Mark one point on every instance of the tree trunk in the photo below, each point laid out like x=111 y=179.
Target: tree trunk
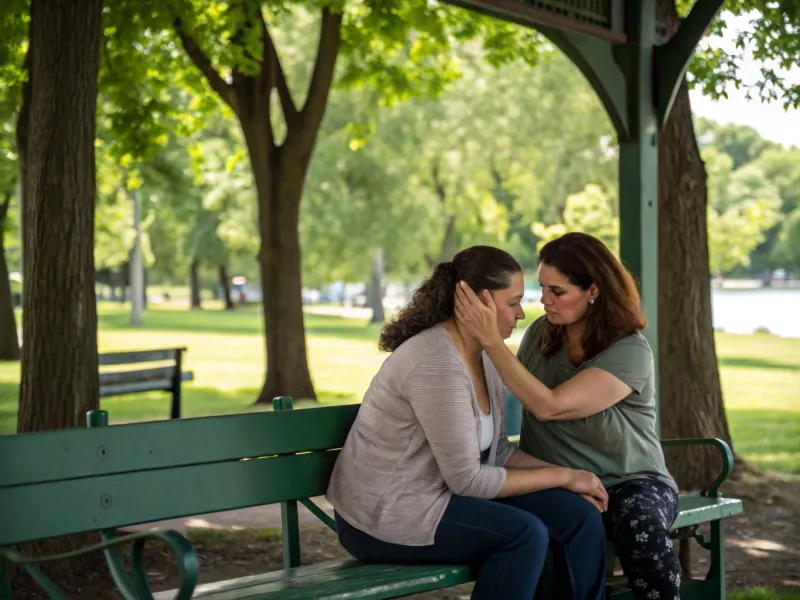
x=225 y=284
x=376 y=288
x=194 y=285
x=59 y=382
x=114 y=279
x=279 y=192
x=59 y=353
x=144 y=288
x=447 y=246
x=9 y=342
x=691 y=396
x=279 y=172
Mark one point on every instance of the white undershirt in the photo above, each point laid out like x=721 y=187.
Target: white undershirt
x=487 y=429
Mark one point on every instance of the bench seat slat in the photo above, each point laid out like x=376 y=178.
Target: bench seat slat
x=92 y=503
x=73 y=453
x=137 y=356
x=335 y=579
x=251 y=580
x=697 y=509
x=144 y=380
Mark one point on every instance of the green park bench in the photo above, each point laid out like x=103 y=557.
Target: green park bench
x=165 y=378
x=105 y=478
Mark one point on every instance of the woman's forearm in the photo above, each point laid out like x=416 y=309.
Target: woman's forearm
x=534 y=395
x=525 y=481
x=522 y=460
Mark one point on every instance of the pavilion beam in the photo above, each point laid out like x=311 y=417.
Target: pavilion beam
x=638 y=164
x=672 y=58
x=598 y=61
x=527 y=15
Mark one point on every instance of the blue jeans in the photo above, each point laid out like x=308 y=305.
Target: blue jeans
x=507 y=541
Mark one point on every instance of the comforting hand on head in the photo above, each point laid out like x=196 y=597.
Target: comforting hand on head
x=477 y=316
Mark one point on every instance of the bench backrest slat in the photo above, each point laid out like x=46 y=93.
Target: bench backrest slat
x=118 y=389
x=136 y=376
x=137 y=356
x=53 y=509
x=73 y=453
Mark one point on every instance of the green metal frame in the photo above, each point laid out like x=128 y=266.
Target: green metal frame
x=132 y=585
x=637 y=78
x=290 y=524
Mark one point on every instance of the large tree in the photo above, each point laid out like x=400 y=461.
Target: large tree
x=691 y=395
x=59 y=352
x=399 y=49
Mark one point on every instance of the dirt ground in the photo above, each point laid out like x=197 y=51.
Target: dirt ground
x=762 y=547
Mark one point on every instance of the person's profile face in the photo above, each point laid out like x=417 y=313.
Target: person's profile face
x=508 y=303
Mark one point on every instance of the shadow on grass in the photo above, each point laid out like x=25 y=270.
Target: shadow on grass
x=756 y=363
x=242 y=322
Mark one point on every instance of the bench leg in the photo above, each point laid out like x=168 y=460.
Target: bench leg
x=175 y=410
x=290 y=534
x=716 y=571
x=5 y=581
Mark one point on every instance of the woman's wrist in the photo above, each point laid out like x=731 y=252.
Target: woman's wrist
x=494 y=344
x=563 y=476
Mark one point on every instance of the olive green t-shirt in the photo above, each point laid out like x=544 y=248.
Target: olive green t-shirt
x=617 y=444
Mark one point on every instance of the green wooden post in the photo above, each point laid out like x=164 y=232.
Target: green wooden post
x=290 y=526
x=638 y=166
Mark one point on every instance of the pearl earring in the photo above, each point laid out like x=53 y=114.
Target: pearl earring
x=591 y=301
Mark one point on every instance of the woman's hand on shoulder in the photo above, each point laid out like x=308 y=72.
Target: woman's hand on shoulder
x=588 y=484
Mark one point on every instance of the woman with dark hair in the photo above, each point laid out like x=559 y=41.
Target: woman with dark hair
x=427 y=474
x=584 y=374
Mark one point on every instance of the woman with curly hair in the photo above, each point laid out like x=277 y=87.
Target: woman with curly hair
x=584 y=373
x=427 y=474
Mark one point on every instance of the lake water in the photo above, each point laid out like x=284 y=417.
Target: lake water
x=744 y=311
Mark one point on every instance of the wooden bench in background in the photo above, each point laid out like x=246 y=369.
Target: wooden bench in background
x=107 y=478
x=165 y=378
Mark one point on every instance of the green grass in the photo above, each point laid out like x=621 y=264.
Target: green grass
x=763 y=594
x=761 y=384
x=760 y=373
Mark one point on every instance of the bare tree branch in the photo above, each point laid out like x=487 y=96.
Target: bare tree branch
x=330 y=34
x=271 y=63
x=203 y=63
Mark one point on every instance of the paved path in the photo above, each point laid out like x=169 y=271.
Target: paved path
x=261 y=517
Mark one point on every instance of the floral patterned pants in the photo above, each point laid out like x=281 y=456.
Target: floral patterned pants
x=640 y=513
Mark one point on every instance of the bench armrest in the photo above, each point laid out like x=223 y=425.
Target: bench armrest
x=133 y=587
x=725 y=453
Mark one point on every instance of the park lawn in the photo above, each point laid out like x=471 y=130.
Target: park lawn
x=760 y=373
x=763 y=594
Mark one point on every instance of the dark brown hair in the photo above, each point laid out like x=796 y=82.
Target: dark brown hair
x=585 y=260
x=433 y=302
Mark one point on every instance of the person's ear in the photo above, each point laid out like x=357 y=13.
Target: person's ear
x=594 y=293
